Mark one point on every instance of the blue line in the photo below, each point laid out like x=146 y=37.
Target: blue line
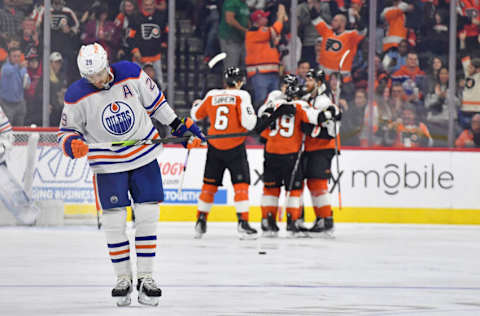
x=120 y=244
x=121 y=259
x=125 y=161
x=155 y=101
x=152 y=237
x=348 y=287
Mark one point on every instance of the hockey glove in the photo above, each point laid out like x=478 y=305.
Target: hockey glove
x=307 y=128
x=284 y=109
x=187 y=127
x=79 y=148
x=331 y=113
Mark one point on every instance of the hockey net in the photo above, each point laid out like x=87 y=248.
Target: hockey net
x=22 y=164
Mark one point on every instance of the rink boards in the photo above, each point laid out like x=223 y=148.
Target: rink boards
x=393 y=186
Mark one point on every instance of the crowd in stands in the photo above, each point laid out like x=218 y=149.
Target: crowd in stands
x=411 y=107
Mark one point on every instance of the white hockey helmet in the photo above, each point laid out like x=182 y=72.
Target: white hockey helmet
x=92 y=59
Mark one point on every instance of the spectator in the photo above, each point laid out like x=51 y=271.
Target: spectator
x=150 y=71
x=102 y=31
x=160 y=5
x=33 y=95
x=471 y=91
x=411 y=70
x=262 y=59
x=148 y=37
x=384 y=126
x=307 y=32
x=398 y=99
x=435 y=35
x=411 y=132
x=10 y=19
x=468 y=22
x=123 y=21
x=335 y=42
x=208 y=23
x=64 y=29
x=13 y=80
x=396 y=58
x=394 y=16
x=432 y=74
x=231 y=32
x=302 y=68
x=470 y=137
x=438 y=109
x=58 y=85
x=354 y=121
x=30 y=35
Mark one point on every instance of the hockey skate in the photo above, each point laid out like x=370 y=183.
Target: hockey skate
x=323 y=228
x=200 y=226
x=245 y=231
x=148 y=291
x=269 y=227
x=121 y=291
x=296 y=229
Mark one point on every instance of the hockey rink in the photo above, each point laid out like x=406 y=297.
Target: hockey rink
x=369 y=269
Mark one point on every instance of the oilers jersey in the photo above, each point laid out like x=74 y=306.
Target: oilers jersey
x=122 y=112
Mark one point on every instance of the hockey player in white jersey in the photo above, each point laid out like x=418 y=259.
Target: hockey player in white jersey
x=116 y=103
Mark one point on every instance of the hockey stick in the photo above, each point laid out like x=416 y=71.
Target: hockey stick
x=182 y=177
x=166 y=140
x=292 y=176
x=337 y=100
x=216 y=59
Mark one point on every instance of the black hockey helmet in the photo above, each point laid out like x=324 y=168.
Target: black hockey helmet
x=290 y=79
x=233 y=75
x=293 y=91
x=318 y=74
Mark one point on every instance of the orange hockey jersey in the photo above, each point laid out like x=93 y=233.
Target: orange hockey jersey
x=286 y=138
x=229 y=111
x=395 y=20
x=261 y=54
x=335 y=45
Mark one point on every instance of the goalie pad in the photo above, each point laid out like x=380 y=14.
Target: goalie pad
x=15 y=200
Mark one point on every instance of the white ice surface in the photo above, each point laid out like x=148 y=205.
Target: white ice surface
x=367 y=270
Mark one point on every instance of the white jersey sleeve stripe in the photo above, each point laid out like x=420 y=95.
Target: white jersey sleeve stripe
x=155 y=101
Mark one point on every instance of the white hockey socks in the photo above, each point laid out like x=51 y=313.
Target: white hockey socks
x=146 y=219
x=114 y=225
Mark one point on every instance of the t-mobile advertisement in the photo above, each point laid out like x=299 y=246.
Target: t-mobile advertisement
x=369 y=178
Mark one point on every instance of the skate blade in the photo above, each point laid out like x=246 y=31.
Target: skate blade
x=323 y=235
x=147 y=300
x=123 y=301
x=198 y=235
x=243 y=236
x=298 y=235
x=269 y=234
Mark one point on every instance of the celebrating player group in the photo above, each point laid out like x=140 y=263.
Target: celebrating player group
x=115 y=103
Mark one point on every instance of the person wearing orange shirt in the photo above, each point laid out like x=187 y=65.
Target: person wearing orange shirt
x=394 y=16
x=411 y=132
x=336 y=40
x=262 y=57
x=470 y=137
x=412 y=71
x=230 y=110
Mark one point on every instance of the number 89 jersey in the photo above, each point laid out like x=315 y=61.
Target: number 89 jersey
x=286 y=137
x=229 y=111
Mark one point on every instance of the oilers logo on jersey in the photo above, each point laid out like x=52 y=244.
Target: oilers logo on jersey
x=118 y=118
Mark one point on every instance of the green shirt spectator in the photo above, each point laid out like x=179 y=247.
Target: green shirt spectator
x=234 y=30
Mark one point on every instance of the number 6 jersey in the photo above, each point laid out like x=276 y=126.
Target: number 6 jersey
x=229 y=111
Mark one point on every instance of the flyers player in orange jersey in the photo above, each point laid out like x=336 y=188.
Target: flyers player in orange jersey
x=283 y=142
x=230 y=110
x=319 y=151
